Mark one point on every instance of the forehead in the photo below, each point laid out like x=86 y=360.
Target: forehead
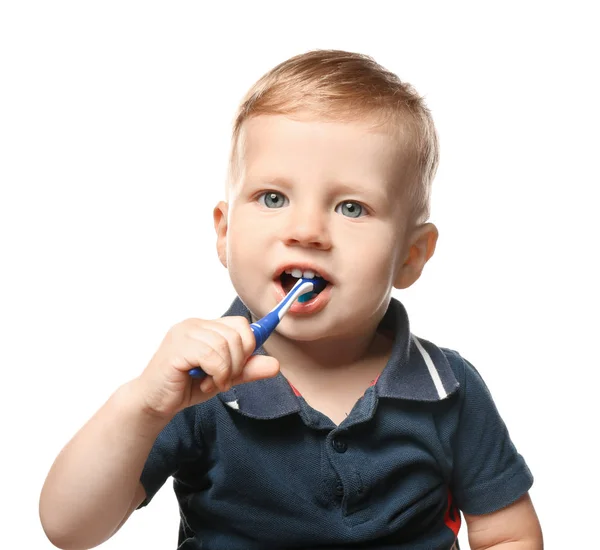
x=279 y=146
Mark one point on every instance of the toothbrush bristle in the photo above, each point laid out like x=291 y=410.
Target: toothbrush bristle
x=306 y=297
x=318 y=285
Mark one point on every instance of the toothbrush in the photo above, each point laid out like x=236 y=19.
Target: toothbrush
x=262 y=329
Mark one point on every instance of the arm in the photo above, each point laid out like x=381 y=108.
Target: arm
x=93 y=485
x=490 y=479
x=515 y=527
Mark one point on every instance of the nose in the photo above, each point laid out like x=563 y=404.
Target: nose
x=308 y=226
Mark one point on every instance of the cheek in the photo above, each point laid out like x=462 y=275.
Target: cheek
x=374 y=253
x=239 y=254
x=243 y=249
x=240 y=264
x=250 y=234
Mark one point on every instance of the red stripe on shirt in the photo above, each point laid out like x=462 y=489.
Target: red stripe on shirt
x=452 y=516
x=296 y=392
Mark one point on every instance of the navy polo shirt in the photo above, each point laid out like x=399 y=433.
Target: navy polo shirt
x=257 y=468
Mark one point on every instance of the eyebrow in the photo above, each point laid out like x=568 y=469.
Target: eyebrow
x=377 y=194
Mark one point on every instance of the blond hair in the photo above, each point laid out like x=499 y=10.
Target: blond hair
x=337 y=85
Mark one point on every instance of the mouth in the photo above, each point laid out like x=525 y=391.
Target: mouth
x=310 y=302
x=289 y=277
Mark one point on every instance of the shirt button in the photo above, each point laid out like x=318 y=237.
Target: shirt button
x=339 y=445
x=339 y=490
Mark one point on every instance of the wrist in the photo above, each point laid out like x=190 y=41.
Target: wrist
x=145 y=420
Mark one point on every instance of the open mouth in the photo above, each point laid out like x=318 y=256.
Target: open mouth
x=288 y=280
x=290 y=277
x=308 y=303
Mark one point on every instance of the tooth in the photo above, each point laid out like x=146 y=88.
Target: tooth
x=308 y=274
x=297 y=273
x=288 y=271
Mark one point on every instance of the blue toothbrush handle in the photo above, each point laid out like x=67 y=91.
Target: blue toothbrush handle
x=197 y=372
x=262 y=329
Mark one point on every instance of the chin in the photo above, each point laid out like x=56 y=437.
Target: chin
x=306 y=329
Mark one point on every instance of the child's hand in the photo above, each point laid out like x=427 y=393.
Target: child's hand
x=222 y=348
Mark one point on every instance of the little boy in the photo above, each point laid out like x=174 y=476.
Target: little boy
x=344 y=430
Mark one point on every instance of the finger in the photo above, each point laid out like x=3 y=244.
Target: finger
x=203 y=390
x=242 y=326
x=236 y=346
x=257 y=368
x=207 y=385
x=210 y=351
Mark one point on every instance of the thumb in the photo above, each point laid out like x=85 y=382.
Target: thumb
x=257 y=368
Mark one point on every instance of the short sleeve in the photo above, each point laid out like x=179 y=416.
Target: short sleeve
x=489 y=473
x=176 y=444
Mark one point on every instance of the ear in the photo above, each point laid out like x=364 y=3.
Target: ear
x=421 y=248
x=220 y=221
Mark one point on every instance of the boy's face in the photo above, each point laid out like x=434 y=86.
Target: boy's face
x=326 y=195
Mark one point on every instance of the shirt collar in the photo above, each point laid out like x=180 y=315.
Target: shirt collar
x=416 y=371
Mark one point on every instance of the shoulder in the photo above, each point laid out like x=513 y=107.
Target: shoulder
x=460 y=366
x=468 y=377
x=471 y=399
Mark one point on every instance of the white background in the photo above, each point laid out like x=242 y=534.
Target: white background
x=114 y=132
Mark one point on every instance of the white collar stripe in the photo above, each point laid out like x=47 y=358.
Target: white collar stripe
x=437 y=381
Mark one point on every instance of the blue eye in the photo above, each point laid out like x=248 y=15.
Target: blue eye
x=351 y=209
x=272 y=199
